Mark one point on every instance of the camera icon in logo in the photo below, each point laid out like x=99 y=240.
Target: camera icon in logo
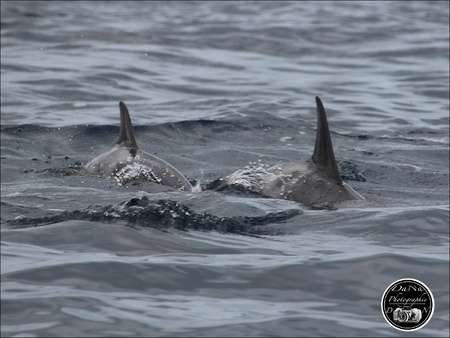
x=407 y=315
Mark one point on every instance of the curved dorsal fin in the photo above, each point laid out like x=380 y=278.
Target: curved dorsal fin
x=126 y=135
x=323 y=155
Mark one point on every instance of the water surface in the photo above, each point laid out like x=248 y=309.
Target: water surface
x=213 y=87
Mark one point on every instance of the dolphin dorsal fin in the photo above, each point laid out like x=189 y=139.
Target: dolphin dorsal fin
x=126 y=135
x=323 y=155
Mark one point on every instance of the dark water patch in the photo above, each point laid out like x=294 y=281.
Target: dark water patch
x=14 y=67
x=162 y=214
x=436 y=93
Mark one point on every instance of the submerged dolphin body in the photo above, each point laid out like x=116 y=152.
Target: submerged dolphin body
x=126 y=160
x=314 y=183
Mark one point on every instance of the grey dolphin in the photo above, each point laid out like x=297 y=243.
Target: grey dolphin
x=314 y=183
x=126 y=160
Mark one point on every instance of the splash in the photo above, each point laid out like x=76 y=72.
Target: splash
x=135 y=171
x=254 y=174
x=198 y=186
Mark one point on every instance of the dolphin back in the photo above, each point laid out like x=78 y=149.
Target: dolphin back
x=313 y=183
x=126 y=161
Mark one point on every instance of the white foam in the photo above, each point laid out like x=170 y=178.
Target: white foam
x=134 y=171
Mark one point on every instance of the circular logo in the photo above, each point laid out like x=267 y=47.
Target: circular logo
x=407 y=304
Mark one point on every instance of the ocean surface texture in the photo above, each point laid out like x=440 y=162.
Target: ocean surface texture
x=213 y=87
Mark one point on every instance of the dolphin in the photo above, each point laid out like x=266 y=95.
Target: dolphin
x=126 y=160
x=314 y=183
